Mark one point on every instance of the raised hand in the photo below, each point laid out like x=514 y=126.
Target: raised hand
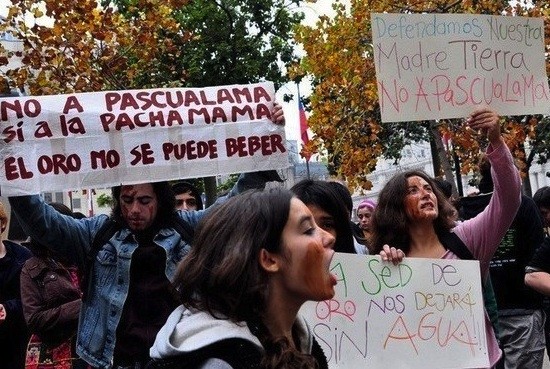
x=486 y=121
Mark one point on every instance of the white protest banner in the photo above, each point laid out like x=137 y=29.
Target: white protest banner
x=437 y=66
x=101 y=139
x=422 y=313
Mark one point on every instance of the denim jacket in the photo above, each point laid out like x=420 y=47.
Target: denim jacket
x=102 y=309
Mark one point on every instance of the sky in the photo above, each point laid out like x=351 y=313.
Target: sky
x=312 y=12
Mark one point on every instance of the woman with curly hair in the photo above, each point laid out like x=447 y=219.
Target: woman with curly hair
x=414 y=219
x=255 y=260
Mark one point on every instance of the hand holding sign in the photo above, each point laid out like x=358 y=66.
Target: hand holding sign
x=488 y=122
x=392 y=254
x=277 y=115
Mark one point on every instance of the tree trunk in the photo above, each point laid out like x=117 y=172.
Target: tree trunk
x=527 y=190
x=440 y=158
x=458 y=175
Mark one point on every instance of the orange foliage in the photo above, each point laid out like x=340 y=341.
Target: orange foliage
x=77 y=46
x=344 y=102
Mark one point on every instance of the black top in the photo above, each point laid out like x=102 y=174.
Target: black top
x=541 y=259
x=517 y=247
x=13 y=331
x=151 y=298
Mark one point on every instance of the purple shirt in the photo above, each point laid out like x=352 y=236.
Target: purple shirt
x=483 y=233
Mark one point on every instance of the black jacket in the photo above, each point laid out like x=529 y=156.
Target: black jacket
x=507 y=268
x=13 y=331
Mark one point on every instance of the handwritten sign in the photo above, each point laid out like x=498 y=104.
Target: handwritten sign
x=436 y=66
x=107 y=138
x=423 y=313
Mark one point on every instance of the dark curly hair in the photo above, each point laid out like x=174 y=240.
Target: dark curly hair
x=389 y=221
x=222 y=273
x=186 y=187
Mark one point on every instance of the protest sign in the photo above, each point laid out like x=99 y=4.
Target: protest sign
x=102 y=139
x=422 y=313
x=436 y=66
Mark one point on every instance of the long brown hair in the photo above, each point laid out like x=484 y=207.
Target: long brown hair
x=389 y=221
x=222 y=274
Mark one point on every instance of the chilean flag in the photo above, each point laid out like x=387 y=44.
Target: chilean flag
x=303 y=126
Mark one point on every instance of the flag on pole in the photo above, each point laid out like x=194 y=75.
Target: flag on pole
x=303 y=126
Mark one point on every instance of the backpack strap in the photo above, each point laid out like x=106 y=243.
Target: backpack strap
x=453 y=243
x=319 y=355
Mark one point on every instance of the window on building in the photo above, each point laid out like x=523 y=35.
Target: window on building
x=77 y=204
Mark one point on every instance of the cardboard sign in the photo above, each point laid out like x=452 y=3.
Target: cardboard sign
x=436 y=66
x=102 y=139
x=422 y=313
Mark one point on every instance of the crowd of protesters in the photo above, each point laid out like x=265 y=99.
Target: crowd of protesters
x=164 y=283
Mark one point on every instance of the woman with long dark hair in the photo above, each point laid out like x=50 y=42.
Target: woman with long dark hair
x=255 y=260
x=414 y=219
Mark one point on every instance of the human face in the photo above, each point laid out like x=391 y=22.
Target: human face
x=364 y=214
x=545 y=212
x=323 y=219
x=307 y=252
x=139 y=206
x=420 y=201
x=186 y=202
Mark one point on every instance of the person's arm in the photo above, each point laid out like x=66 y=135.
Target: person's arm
x=12 y=309
x=531 y=227
x=2 y=314
x=539 y=281
x=53 y=324
x=66 y=235
x=482 y=234
x=537 y=271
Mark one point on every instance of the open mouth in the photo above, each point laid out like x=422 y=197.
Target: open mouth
x=333 y=277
